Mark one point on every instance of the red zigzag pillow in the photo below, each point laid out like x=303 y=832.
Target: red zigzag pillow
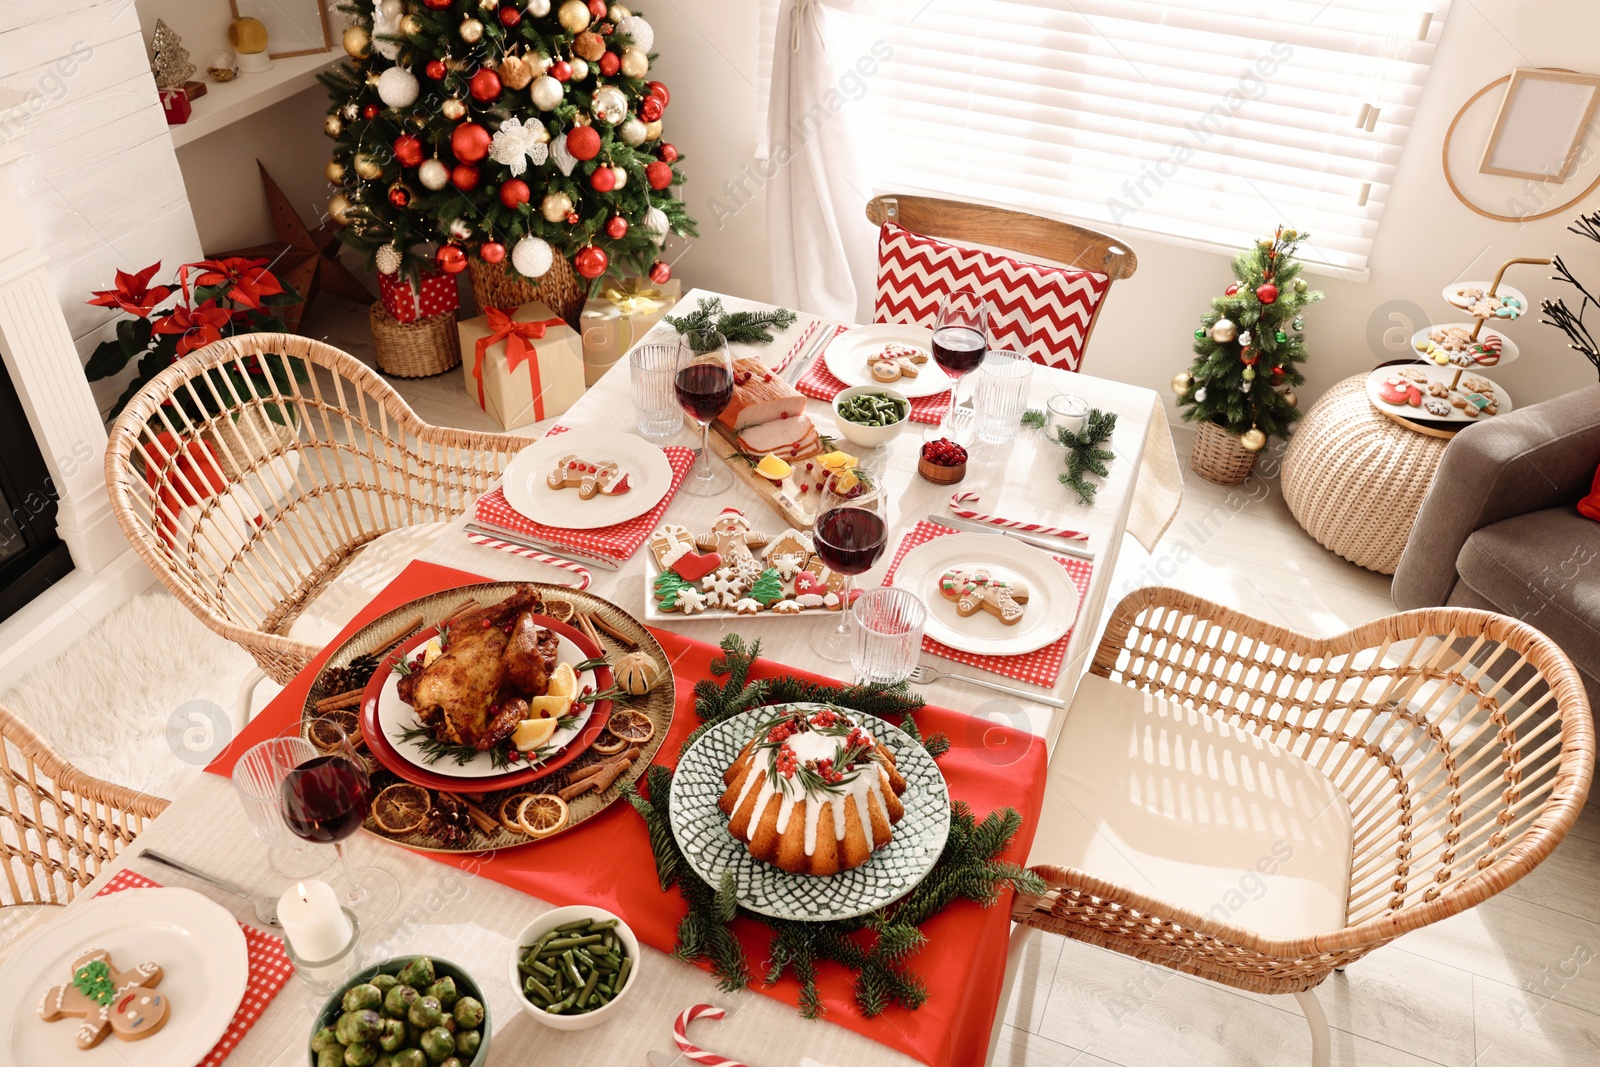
x=1053 y=304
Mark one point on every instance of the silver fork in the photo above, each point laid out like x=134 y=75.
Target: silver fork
x=923 y=674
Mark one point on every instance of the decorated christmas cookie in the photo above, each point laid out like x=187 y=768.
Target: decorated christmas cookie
x=732 y=536
x=1397 y=390
x=1436 y=406
x=108 y=1001
x=668 y=542
x=978 y=590
x=724 y=588
x=590 y=478
x=896 y=361
x=788 y=553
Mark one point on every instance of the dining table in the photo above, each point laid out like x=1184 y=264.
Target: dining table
x=469 y=908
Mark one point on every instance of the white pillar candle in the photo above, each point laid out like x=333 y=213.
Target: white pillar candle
x=313 y=921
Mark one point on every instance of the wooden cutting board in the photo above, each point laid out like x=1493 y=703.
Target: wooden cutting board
x=786 y=500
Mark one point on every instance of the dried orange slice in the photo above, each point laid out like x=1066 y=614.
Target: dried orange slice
x=327 y=733
x=632 y=725
x=608 y=744
x=508 y=811
x=401 y=808
x=542 y=815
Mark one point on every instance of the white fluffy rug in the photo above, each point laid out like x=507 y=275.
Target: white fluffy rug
x=144 y=699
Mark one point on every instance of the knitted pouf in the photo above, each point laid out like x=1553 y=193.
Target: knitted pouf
x=1355 y=479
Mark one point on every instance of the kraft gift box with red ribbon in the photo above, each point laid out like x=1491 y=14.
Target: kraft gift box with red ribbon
x=617 y=318
x=522 y=365
x=435 y=294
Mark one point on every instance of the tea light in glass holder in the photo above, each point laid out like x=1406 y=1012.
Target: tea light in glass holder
x=1064 y=410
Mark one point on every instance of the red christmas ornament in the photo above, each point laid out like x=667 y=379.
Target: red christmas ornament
x=514 y=193
x=464 y=176
x=509 y=17
x=438 y=5
x=485 y=85
x=1248 y=358
x=650 y=108
x=610 y=63
x=399 y=195
x=590 y=261
x=597 y=8
x=659 y=175
x=661 y=272
x=561 y=70
x=469 y=141
x=616 y=227
x=668 y=152
x=1267 y=292
x=1230 y=290
x=659 y=91
x=492 y=252
x=604 y=179
x=1277 y=372
x=583 y=142
x=408 y=150
x=435 y=69
x=371 y=111
x=451 y=259
x=572 y=218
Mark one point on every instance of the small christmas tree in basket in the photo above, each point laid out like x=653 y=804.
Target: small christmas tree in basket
x=1248 y=349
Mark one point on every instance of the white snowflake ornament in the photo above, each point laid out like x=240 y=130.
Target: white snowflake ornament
x=644 y=36
x=514 y=144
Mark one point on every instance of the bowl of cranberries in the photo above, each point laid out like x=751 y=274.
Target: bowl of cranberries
x=942 y=461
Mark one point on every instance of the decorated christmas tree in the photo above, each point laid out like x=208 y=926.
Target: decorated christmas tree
x=1249 y=347
x=510 y=132
x=170 y=64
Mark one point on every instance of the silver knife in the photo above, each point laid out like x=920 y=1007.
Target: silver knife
x=1048 y=544
x=576 y=555
x=825 y=333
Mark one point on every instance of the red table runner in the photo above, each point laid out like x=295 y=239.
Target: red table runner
x=988 y=766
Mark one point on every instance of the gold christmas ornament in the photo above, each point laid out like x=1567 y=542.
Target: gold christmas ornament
x=1289 y=397
x=333 y=125
x=367 y=167
x=410 y=25
x=471 y=31
x=1252 y=440
x=357 y=43
x=1223 y=330
x=334 y=171
x=618 y=13
x=635 y=64
x=573 y=16
x=453 y=109
x=555 y=206
x=652 y=130
x=580 y=69
x=372 y=79
x=339 y=208
x=488 y=5
x=1181 y=382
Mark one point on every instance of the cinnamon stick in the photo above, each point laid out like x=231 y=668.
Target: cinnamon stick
x=571 y=792
x=466 y=605
x=586 y=772
x=584 y=624
x=350 y=698
x=621 y=638
x=605 y=779
x=404 y=629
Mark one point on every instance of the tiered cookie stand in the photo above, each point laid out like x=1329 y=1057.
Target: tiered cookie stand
x=1354 y=479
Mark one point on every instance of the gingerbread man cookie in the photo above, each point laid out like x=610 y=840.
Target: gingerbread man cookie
x=590 y=478
x=732 y=537
x=108 y=1001
x=978 y=590
x=896 y=361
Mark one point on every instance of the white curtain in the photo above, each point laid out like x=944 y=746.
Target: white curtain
x=823 y=251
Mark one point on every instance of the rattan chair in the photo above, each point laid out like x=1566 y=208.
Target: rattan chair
x=58 y=826
x=1461 y=742
x=344 y=462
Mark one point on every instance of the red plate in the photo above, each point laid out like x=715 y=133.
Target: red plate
x=385 y=752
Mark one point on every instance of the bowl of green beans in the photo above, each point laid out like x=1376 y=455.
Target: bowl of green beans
x=573 y=966
x=870 y=415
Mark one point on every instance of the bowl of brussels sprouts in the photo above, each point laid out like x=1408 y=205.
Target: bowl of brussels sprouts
x=870 y=415
x=410 y=1011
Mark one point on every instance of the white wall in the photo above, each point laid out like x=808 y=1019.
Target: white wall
x=1426 y=239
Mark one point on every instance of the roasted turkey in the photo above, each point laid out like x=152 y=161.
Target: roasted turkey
x=475 y=692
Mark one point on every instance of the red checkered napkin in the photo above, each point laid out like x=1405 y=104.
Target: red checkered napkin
x=1040 y=666
x=269 y=969
x=618 y=542
x=819 y=383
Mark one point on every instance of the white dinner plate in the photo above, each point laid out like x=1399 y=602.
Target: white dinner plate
x=1452 y=293
x=198 y=945
x=1052 y=598
x=649 y=474
x=847 y=357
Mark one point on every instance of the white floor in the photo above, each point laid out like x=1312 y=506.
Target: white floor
x=1512 y=982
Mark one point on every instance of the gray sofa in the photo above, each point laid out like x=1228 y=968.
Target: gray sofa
x=1498 y=529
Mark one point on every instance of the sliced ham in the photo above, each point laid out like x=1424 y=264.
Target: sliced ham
x=786 y=438
x=759 y=396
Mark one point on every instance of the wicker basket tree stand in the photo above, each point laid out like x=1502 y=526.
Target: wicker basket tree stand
x=1219 y=457
x=496 y=285
x=418 y=349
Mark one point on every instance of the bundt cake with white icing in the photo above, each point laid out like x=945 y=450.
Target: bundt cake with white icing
x=813 y=793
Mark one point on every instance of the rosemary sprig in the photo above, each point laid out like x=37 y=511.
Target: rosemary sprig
x=434 y=750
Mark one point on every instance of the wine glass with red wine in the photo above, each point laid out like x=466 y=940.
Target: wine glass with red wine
x=960 y=341
x=849 y=535
x=704 y=384
x=324 y=799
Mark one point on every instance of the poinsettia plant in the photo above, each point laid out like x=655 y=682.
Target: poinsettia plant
x=210 y=300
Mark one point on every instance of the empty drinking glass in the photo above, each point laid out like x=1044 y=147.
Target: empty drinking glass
x=888 y=634
x=653 y=367
x=257 y=778
x=1001 y=395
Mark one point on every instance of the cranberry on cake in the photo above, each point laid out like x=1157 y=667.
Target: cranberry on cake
x=813 y=793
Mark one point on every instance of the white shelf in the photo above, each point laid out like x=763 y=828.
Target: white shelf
x=227 y=102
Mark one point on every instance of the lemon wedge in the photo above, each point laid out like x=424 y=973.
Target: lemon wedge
x=563 y=682
x=837 y=460
x=531 y=733
x=845 y=480
x=548 y=707
x=431 y=651
x=773 y=468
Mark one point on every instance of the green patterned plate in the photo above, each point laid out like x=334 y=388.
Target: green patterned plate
x=891 y=873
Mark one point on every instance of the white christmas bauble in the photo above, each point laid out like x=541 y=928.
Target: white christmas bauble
x=433 y=175
x=609 y=104
x=632 y=132
x=1200 y=394
x=621 y=176
x=580 y=69
x=532 y=256
x=1247 y=338
x=546 y=93
x=1223 y=330
x=1244 y=387
x=538 y=8
x=656 y=221
x=644 y=38
x=387 y=259
x=564 y=159
x=397 y=87
x=392 y=9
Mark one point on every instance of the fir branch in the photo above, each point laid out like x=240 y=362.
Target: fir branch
x=736 y=327
x=1085 y=457
x=1033 y=417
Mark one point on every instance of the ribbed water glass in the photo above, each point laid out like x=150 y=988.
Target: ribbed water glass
x=257 y=778
x=888 y=634
x=1001 y=395
x=655 y=401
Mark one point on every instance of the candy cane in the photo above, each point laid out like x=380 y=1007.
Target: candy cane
x=957 y=499
x=696 y=1054
x=538 y=557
